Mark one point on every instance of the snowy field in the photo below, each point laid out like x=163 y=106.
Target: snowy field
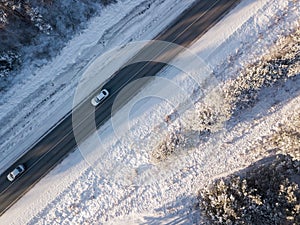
x=47 y=94
x=132 y=187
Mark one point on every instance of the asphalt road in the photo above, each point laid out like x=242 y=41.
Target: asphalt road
x=60 y=141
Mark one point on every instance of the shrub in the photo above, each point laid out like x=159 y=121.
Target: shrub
x=267 y=193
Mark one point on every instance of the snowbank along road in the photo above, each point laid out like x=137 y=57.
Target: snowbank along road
x=60 y=141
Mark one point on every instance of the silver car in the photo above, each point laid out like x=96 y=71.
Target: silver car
x=100 y=97
x=16 y=172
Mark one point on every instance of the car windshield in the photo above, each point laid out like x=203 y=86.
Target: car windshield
x=100 y=97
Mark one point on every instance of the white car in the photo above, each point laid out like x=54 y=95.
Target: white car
x=16 y=172
x=100 y=97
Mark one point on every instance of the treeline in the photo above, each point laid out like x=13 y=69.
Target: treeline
x=38 y=29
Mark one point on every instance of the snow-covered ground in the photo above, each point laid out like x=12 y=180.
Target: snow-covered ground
x=152 y=192
x=47 y=94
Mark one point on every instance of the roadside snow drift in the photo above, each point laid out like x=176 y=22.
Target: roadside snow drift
x=155 y=168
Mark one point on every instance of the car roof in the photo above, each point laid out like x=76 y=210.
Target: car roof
x=15 y=172
x=100 y=95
